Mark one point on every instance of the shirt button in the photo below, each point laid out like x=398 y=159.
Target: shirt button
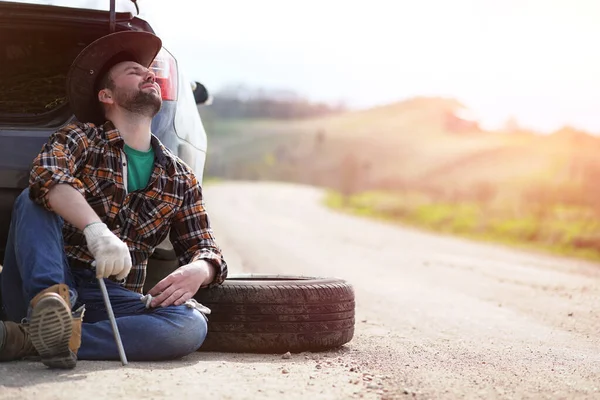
x=124 y=164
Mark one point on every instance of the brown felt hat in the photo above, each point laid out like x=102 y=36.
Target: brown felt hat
x=96 y=59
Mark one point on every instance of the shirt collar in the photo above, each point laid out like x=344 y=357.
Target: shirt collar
x=159 y=150
x=114 y=138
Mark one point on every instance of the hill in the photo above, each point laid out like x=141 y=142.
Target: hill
x=428 y=151
x=408 y=144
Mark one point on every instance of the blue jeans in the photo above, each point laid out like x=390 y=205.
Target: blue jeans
x=35 y=260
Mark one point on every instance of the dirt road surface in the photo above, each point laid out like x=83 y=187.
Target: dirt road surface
x=437 y=317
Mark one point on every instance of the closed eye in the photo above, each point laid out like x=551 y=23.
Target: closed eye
x=133 y=70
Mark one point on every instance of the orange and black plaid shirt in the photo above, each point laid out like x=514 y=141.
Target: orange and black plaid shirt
x=91 y=159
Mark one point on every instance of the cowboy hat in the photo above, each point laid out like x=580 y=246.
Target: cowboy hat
x=96 y=59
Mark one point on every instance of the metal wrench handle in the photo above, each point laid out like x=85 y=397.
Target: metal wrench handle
x=113 y=322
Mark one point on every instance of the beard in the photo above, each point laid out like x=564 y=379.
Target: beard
x=138 y=102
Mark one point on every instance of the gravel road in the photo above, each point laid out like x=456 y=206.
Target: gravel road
x=437 y=317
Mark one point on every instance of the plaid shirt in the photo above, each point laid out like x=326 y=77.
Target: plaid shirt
x=91 y=159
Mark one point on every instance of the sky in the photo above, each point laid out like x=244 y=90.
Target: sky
x=535 y=60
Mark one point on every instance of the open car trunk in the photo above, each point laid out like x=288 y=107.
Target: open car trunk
x=38 y=43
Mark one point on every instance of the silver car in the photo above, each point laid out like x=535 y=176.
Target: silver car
x=38 y=42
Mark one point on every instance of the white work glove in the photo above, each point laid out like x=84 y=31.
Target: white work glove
x=111 y=253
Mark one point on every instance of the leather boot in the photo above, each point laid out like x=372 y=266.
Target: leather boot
x=55 y=332
x=15 y=342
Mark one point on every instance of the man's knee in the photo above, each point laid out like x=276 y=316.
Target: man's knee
x=23 y=199
x=190 y=332
x=196 y=330
x=25 y=207
x=23 y=203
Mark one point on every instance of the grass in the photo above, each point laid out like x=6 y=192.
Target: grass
x=566 y=231
x=211 y=180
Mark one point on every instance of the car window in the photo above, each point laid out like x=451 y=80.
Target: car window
x=102 y=5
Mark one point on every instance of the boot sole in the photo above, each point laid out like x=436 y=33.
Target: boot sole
x=50 y=331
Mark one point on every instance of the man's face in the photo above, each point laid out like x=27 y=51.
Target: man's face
x=134 y=88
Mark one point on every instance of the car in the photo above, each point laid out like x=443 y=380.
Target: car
x=38 y=42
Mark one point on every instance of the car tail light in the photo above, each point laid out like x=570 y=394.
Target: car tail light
x=164 y=67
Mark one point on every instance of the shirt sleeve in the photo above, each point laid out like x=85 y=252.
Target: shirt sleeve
x=57 y=163
x=193 y=238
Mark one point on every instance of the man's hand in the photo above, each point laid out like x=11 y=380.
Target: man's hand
x=182 y=284
x=111 y=253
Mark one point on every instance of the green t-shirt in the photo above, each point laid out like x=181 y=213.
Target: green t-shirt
x=139 y=168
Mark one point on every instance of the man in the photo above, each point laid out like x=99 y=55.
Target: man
x=102 y=195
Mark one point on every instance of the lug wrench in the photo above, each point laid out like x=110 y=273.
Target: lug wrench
x=113 y=322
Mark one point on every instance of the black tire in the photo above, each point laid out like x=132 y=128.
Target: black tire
x=276 y=314
x=2 y=313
